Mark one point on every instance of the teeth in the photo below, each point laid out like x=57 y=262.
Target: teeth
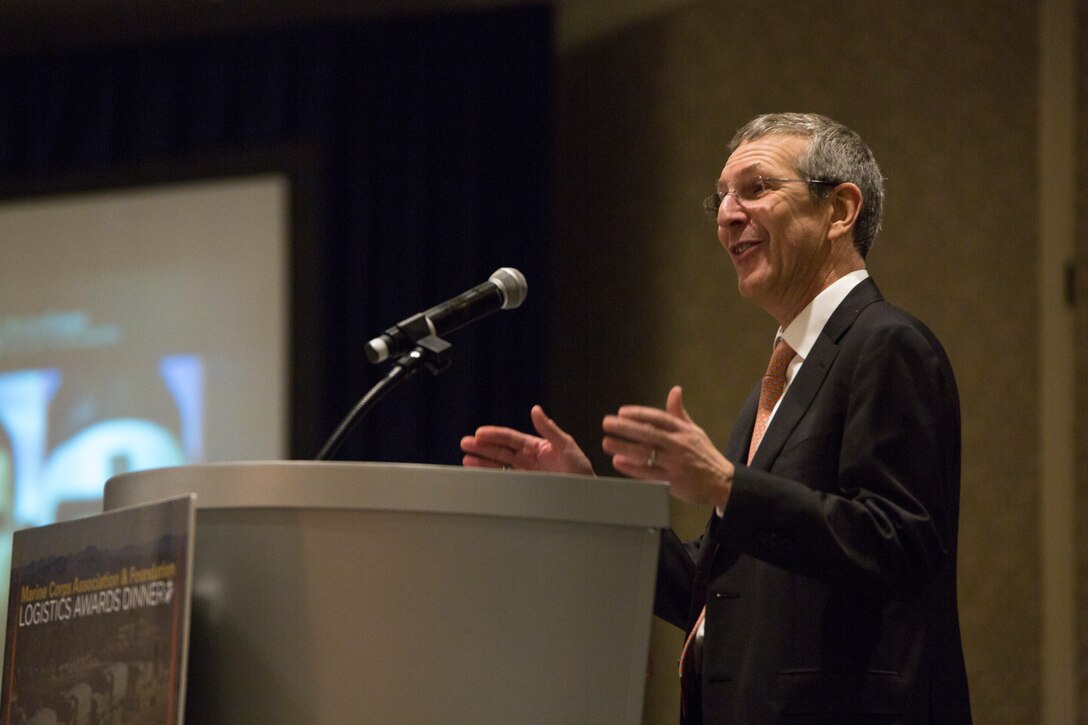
x=742 y=248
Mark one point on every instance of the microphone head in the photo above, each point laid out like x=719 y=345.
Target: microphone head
x=512 y=284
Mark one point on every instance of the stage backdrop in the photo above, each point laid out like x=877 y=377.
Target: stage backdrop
x=416 y=154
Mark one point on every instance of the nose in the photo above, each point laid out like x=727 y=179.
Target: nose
x=731 y=211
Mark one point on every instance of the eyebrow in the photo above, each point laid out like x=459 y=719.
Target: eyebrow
x=755 y=166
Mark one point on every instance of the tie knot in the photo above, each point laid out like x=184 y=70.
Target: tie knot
x=780 y=360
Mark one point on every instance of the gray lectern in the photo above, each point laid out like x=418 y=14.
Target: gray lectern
x=339 y=593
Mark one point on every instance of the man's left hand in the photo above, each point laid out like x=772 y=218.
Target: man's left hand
x=666 y=445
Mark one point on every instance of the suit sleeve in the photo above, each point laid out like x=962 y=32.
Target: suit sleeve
x=675 y=576
x=863 y=495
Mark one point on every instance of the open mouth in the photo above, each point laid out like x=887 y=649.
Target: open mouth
x=741 y=248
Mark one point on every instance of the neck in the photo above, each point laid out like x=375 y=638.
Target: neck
x=789 y=312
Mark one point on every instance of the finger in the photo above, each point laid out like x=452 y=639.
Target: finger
x=646 y=434
x=492 y=435
x=635 y=453
x=471 y=444
x=547 y=427
x=472 y=461
x=500 y=455
x=635 y=468
x=651 y=416
x=675 y=404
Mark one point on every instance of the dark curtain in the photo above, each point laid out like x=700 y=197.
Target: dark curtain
x=425 y=147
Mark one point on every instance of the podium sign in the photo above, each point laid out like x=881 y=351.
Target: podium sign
x=98 y=615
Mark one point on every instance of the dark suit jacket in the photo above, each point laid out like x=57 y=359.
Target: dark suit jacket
x=830 y=583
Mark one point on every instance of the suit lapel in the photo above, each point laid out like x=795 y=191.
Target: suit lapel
x=736 y=449
x=792 y=408
x=811 y=376
x=796 y=401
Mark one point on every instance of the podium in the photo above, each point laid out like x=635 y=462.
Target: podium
x=387 y=593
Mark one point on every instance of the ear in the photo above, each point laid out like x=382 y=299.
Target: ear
x=846 y=204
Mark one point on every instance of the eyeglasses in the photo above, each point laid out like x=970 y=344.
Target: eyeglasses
x=753 y=190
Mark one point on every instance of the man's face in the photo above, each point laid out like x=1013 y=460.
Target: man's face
x=777 y=237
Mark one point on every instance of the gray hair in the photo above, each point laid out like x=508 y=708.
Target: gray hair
x=834 y=153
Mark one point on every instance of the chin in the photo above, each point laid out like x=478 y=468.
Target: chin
x=748 y=290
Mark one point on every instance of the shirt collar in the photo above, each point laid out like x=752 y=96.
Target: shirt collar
x=801 y=334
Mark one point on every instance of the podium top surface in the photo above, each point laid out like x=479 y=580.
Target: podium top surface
x=399 y=487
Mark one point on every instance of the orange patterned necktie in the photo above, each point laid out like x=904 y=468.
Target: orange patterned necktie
x=774 y=383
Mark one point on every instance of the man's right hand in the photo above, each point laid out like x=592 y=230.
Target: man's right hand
x=553 y=451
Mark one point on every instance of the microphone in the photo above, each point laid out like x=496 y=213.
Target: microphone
x=505 y=289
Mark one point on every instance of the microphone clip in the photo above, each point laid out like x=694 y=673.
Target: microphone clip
x=430 y=350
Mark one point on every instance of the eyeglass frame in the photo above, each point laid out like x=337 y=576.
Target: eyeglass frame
x=713 y=202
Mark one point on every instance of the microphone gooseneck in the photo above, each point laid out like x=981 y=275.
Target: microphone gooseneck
x=417 y=342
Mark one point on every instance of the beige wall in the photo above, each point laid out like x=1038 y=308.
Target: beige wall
x=1081 y=590
x=946 y=94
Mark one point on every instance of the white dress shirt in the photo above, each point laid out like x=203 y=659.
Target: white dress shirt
x=801 y=334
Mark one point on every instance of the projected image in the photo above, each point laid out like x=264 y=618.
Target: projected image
x=140 y=327
x=64 y=437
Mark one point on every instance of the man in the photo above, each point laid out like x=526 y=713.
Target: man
x=823 y=589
